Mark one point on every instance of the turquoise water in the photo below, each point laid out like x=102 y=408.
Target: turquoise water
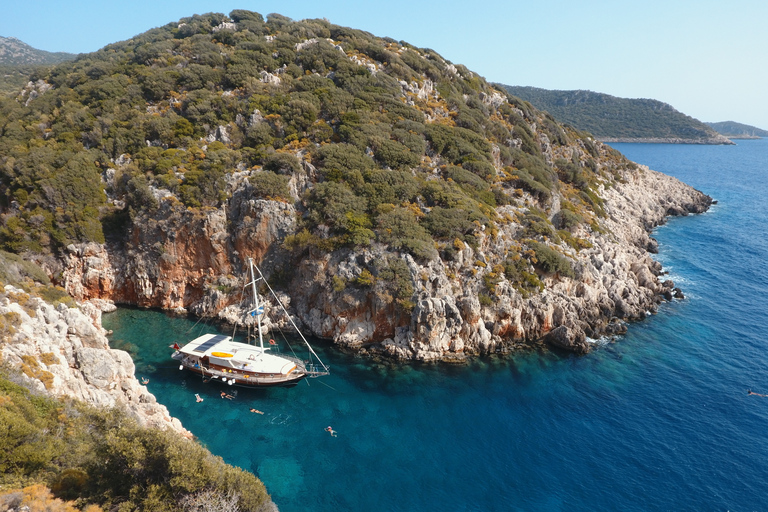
x=657 y=421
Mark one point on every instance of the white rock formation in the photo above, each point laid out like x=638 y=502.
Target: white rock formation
x=67 y=352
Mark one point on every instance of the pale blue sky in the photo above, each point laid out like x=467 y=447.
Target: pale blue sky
x=708 y=59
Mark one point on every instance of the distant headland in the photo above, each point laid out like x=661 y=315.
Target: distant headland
x=612 y=119
x=734 y=130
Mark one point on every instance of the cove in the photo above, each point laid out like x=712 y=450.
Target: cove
x=659 y=419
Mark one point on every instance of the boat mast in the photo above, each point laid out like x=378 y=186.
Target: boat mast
x=280 y=303
x=258 y=309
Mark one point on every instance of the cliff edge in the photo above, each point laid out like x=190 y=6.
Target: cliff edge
x=64 y=351
x=470 y=303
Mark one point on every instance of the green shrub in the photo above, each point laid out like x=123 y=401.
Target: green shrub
x=593 y=201
x=15 y=270
x=485 y=299
x=342 y=162
x=330 y=202
x=457 y=144
x=394 y=272
x=365 y=278
x=388 y=187
x=400 y=229
x=282 y=163
x=395 y=155
x=267 y=184
x=516 y=272
x=54 y=295
x=338 y=284
x=539 y=228
x=567 y=219
x=449 y=223
x=103 y=457
x=551 y=261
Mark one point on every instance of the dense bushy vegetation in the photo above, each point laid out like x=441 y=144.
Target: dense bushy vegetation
x=102 y=460
x=18 y=61
x=374 y=141
x=611 y=117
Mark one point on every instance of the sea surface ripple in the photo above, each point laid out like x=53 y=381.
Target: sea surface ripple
x=660 y=419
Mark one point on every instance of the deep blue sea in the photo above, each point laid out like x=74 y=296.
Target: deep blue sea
x=659 y=420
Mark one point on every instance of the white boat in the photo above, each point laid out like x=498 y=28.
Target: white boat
x=219 y=357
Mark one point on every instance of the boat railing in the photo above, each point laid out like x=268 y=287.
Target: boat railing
x=299 y=362
x=214 y=374
x=315 y=370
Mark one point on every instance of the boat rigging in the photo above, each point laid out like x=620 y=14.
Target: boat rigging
x=219 y=357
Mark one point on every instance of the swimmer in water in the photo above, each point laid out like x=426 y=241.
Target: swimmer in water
x=256 y=411
x=198 y=398
x=144 y=381
x=750 y=392
x=331 y=431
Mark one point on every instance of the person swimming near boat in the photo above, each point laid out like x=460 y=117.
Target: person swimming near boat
x=225 y=395
x=256 y=411
x=198 y=398
x=331 y=431
x=750 y=392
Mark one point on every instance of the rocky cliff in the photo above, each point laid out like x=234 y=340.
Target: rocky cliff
x=187 y=261
x=64 y=352
x=399 y=203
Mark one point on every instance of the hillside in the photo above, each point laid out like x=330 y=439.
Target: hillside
x=17 y=53
x=405 y=205
x=734 y=130
x=79 y=424
x=19 y=61
x=619 y=119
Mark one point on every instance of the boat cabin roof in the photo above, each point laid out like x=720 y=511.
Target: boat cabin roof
x=222 y=350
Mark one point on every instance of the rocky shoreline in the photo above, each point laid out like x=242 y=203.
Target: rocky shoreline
x=184 y=260
x=64 y=351
x=719 y=140
x=618 y=281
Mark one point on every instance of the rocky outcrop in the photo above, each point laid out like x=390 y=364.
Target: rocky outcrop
x=617 y=281
x=185 y=259
x=64 y=352
x=564 y=338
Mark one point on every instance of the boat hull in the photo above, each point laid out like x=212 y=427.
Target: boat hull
x=240 y=380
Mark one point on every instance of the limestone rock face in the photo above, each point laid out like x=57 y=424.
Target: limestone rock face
x=194 y=259
x=568 y=339
x=64 y=352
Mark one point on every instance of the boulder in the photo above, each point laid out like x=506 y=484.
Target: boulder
x=573 y=340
